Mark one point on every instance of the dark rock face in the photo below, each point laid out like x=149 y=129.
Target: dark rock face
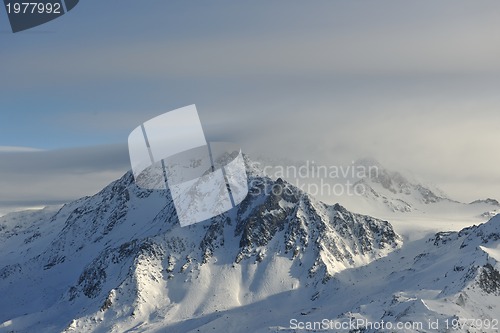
x=489 y=280
x=9 y=270
x=489 y=201
x=305 y=225
x=93 y=278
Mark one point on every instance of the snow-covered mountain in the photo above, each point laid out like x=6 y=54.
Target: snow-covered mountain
x=386 y=190
x=415 y=208
x=452 y=279
x=118 y=261
x=396 y=192
x=366 y=186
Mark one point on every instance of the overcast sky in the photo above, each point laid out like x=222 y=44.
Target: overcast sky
x=413 y=84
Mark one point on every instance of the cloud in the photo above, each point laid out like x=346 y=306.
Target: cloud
x=394 y=39
x=43 y=177
x=12 y=149
x=412 y=84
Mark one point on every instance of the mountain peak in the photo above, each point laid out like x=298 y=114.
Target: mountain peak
x=488 y=201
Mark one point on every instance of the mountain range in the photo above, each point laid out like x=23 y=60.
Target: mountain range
x=118 y=261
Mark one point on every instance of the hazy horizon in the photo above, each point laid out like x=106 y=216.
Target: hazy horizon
x=414 y=85
x=83 y=171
